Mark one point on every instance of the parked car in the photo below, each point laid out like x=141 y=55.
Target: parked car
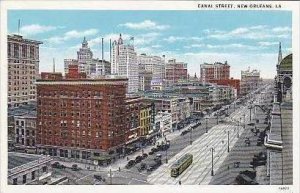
x=142 y=167
x=58 y=165
x=138 y=159
x=184 y=132
x=130 y=164
x=151 y=153
x=144 y=155
x=75 y=167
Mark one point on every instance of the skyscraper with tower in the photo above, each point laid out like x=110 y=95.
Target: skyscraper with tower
x=124 y=63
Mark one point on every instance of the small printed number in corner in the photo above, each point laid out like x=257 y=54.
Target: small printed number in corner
x=285 y=189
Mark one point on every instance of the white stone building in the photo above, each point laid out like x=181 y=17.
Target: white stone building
x=124 y=63
x=154 y=64
x=26 y=169
x=163 y=122
x=86 y=63
x=23 y=69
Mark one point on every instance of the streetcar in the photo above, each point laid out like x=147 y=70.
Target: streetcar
x=182 y=164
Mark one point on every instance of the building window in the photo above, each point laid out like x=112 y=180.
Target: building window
x=24 y=178
x=32 y=175
x=44 y=169
x=15 y=181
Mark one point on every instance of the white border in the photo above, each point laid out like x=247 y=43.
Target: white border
x=143 y=5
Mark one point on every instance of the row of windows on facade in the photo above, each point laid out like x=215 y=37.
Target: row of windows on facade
x=17 y=82
x=10 y=72
x=79 y=144
x=27 y=141
x=84 y=133
x=111 y=91
x=19 y=66
x=73 y=153
x=19 y=93
x=25 y=99
x=16 y=50
x=78 y=124
x=32 y=174
x=16 y=79
x=27 y=132
x=80 y=114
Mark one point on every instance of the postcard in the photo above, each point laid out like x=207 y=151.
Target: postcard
x=186 y=96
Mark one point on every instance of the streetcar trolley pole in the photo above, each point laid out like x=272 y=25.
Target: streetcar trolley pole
x=212 y=161
x=228 y=141
x=206 y=123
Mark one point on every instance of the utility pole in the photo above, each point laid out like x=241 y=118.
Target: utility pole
x=110 y=176
x=166 y=155
x=250 y=112
x=228 y=141
x=244 y=121
x=212 y=161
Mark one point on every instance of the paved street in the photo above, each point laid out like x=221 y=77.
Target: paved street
x=199 y=171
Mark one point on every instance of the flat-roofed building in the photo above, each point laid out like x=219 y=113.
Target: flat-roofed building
x=81 y=118
x=23 y=69
x=26 y=169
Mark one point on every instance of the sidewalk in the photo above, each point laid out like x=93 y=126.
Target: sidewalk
x=123 y=161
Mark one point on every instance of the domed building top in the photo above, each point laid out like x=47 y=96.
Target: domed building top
x=286 y=63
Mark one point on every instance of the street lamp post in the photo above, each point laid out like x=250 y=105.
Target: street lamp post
x=206 y=123
x=212 y=161
x=110 y=176
x=244 y=121
x=227 y=141
x=191 y=137
x=167 y=153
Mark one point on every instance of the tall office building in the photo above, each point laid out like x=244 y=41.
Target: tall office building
x=213 y=72
x=79 y=117
x=250 y=80
x=23 y=69
x=124 y=63
x=153 y=64
x=176 y=71
x=87 y=64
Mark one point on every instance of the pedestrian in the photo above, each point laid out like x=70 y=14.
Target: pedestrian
x=127 y=158
x=179 y=182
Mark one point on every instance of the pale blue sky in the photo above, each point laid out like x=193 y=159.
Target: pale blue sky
x=243 y=38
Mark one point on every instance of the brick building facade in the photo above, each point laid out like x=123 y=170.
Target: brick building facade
x=176 y=71
x=216 y=71
x=80 y=118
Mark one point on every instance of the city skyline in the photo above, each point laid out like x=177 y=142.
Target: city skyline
x=247 y=38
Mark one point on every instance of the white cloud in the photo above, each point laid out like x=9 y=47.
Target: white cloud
x=36 y=29
x=282 y=29
x=252 y=32
x=268 y=43
x=71 y=35
x=145 y=25
x=232 y=47
x=172 y=39
x=156 y=46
